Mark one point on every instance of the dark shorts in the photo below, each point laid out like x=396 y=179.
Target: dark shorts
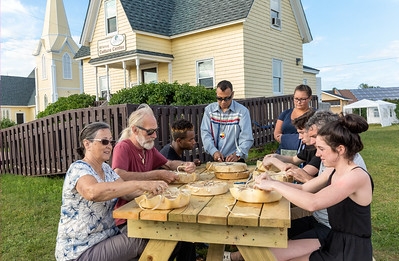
x=308 y=227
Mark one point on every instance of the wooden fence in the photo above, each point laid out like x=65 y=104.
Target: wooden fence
x=47 y=146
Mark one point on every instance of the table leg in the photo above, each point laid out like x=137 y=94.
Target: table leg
x=158 y=250
x=256 y=253
x=215 y=252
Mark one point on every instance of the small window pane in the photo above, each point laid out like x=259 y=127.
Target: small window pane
x=205 y=73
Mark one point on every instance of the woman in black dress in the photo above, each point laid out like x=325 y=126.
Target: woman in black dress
x=346 y=193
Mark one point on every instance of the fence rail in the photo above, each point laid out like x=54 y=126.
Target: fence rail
x=47 y=146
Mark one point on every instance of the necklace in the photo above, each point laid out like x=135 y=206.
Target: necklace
x=142 y=157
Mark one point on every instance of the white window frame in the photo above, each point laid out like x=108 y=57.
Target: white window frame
x=44 y=71
x=67 y=66
x=205 y=74
x=110 y=12
x=5 y=113
x=102 y=81
x=275 y=13
x=145 y=67
x=277 y=76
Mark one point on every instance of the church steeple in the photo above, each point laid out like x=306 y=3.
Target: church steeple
x=57 y=74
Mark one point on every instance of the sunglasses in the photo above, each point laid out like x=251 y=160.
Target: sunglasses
x=105 y=142
x=148 y=131
x=225 y=98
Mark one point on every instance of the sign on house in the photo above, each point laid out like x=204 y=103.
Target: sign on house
x=114 y=44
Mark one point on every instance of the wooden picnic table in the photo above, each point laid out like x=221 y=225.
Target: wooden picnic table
x=217 y=220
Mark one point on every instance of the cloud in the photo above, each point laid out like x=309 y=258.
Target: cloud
x=13 y=7
x=20 y=33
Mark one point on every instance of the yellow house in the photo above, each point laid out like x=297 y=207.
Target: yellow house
x=17 y=98
x=255 y=44
x=336 y=101
x=57 y=73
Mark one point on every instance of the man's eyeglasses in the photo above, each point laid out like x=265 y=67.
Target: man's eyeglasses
x=226 y=99
x=148 y=131
x=105 y=142
x=300 y=99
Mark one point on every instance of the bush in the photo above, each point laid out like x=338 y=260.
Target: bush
x=164 y=93
x=5 y=123
x=74 y=101
x=397 y=106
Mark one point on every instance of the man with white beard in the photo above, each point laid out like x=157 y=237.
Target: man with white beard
x=135 y=158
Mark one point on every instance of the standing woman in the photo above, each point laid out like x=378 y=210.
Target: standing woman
x=87 y=230
x=346 y=193
x=284 y=126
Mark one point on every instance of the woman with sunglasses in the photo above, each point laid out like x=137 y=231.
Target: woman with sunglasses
x=285 y=132
x=87 y=230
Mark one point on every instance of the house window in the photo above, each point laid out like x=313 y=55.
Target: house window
x=205 y=73
x=149 y=75
x=20 y=117
x=5 y=113
x=277 y=76
x=275 y=13
x=44 y=74
x=110 y=16
x=67 y=66
x=103 y=87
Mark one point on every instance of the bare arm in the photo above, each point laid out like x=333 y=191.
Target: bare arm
x=278 y=130
x=158 y=174
x=302 y=174
x=91 y=190
x=348 y=185
x=174 y=164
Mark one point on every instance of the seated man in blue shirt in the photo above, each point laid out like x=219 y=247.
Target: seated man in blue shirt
x=226 y=130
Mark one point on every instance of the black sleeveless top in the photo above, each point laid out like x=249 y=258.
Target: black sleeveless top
x=350 y=236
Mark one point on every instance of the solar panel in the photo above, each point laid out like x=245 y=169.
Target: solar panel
x=376 y=93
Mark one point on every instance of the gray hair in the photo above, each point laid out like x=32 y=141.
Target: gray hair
x=89 y=132
x=320 y=118
x=136 y=119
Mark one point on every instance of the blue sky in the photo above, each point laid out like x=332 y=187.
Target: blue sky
x=354 y=41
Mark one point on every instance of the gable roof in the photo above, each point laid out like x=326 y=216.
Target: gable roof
x=17 y=91
x=171 y=18
x=336 y=96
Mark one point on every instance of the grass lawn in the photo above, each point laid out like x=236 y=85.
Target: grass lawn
x=29 y=206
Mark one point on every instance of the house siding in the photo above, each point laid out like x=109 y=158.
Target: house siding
x=211 y=44
x=242 y=53
x=263 y=43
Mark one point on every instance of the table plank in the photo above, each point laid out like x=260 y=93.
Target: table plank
x=245 y=214
x=190 y=212
x=158 y=250
x=130 y=210
x=256 y=253
x=276 y=214
x=217 y=210
x=208 y=233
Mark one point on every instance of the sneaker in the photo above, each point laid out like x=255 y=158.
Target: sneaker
x=226 y=256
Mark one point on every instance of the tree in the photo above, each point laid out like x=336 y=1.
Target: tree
x=366 y=86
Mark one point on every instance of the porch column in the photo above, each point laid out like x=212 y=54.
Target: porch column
x=138 y=71
x=108 y=91
x=97 y=83
x=170 y=72
x=124 y=72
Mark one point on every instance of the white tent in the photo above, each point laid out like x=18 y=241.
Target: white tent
x=381 y=112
